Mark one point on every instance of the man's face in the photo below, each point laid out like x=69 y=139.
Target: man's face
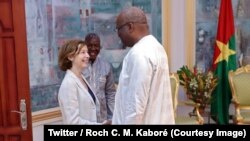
x=93 y=48
x=123 y=31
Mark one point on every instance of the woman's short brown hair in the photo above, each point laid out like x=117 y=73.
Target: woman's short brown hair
x=71 y=47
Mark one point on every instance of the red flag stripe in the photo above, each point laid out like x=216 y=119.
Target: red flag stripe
x=225 y=27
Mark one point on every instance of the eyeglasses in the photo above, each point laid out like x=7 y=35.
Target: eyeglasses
x=120 y=27
x=123 y=25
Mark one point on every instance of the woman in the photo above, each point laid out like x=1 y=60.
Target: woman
x=77 y=101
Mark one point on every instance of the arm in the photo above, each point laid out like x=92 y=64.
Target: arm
x=139 y=72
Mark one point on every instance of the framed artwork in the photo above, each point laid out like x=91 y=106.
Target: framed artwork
x=50 y=23
x=206 y=29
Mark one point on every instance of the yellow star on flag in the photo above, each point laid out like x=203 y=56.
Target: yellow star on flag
x=225 y=52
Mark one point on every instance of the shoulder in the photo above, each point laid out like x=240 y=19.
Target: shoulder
x=102 y=60
x=68 y=80
x=104 y=63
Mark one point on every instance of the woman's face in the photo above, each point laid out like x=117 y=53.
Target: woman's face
x=81 y=59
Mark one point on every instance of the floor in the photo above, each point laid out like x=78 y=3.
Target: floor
x=185 y=110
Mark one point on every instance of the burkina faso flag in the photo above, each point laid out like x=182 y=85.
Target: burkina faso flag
x=224 y=60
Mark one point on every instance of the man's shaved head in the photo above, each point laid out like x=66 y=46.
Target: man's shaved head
x=131 y=25
x=132 y=14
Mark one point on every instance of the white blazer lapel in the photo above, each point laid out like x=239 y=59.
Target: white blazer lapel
x=96 y=99
x=80 y=85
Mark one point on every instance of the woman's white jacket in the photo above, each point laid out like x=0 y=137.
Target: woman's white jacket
x=76 y=104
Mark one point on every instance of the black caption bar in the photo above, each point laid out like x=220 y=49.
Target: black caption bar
x=52 y=132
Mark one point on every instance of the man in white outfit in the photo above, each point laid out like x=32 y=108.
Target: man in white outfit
x=144 y=92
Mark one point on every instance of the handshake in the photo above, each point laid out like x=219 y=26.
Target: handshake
x=107 y=122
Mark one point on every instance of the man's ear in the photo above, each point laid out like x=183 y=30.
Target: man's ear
x=131 y=27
